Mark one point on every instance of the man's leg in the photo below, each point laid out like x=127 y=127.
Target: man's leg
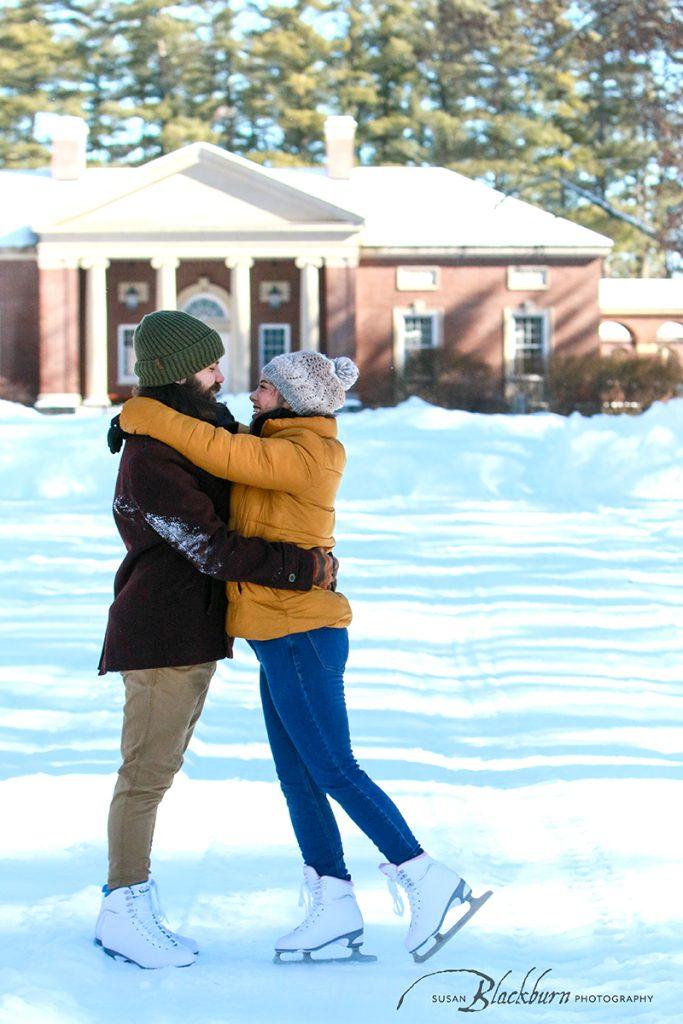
x=162 y=708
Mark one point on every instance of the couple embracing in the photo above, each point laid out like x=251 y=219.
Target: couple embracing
x=228 y=532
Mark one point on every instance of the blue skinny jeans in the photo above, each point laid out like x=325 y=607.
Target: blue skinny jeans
x=302 y=692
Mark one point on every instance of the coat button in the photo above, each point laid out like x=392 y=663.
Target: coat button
x=292 y=577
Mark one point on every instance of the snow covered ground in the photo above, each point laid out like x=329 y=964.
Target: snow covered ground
x=514 y=682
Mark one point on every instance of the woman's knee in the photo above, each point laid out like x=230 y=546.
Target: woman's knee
x=337 y=774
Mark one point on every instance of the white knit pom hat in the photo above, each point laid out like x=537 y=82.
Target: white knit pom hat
x=312 y=384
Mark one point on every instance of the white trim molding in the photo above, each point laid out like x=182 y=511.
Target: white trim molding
x=121 y=376
x=416 y=309
x=287 y=338
x=62 y=401
x=528 y=383
x=417 y=278
x=527 y=279
x=309 y=301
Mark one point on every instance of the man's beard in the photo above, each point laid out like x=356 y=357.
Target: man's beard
x=207 y=392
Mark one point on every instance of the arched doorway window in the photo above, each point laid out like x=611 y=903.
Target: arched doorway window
x=210 y=304
x=670 y=332
x=615 y=338
x=613 y=331
x=206 y=307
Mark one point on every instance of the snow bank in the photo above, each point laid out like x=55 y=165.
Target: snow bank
x=554 y=460
x=415 y=451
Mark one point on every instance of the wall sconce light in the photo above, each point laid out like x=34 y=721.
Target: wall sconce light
x=275 y=297
x=131 y=298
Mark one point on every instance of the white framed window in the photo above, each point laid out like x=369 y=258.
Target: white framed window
x=416 y=329
x=417 y=279
x=273 y=340
x=126 y=354
x=527 y=279
x=529 y=360
x=527 y=342
x=419 y=331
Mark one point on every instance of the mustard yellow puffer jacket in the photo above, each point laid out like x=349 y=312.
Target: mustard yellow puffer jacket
x=285 y=484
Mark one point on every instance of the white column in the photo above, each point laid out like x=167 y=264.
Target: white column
x=310 y=302
x=166 y=267
x=240 y=324
x=96 y=322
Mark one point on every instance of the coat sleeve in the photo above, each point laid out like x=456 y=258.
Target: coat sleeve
x=169 y=499
x=272 y=463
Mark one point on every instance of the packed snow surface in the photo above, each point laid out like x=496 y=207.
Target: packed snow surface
x=514 y=682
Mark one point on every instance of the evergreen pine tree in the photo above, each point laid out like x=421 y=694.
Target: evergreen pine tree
x=630 y=138
x=286 y=91
x=395 y=40
x=32 y=63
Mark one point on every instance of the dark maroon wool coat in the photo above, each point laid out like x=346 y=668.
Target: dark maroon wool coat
x=169 y=592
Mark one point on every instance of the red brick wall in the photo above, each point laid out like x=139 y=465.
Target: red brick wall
x=473 y=296
x=19 y=330
x=118 y=272
x=59 y=332
x=338 y=312
x=261 y=313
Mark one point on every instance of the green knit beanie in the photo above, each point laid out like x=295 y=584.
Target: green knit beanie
x=170 y=345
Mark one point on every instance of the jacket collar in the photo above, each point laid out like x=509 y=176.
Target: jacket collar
x=270 y=423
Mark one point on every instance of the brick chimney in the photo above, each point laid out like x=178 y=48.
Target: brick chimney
x=69 y=135
x=340 y=130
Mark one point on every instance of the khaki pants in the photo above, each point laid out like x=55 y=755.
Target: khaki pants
x=162 y=708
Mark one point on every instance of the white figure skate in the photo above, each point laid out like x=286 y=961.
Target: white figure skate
x=183 y=940
x=128 y=929
x=432 y=890
x=333 y=918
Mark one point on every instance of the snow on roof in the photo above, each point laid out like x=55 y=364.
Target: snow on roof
x=34 y=195
x=641 y=295
x=403 y=207
x=433 y=207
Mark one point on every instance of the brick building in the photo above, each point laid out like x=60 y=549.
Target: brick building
x=379 y=263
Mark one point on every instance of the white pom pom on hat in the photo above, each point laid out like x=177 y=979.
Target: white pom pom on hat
x=346 y=370
x=311 y=384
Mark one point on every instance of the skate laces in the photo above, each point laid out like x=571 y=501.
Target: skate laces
x=398 y=899
x=157 y=909
x=406 y=882
x=310 y=897
x=144 y=914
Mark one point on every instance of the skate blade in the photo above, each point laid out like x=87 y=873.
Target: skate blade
x=306 y=957
x=352 y=943
x=115 y=955
x=441 y=938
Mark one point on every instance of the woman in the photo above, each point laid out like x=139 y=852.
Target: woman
x=285 y=475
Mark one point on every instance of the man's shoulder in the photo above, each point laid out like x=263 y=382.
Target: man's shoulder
x=140 y=451
x=147 y=463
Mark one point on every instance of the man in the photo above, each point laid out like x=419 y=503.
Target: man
x=166 y=627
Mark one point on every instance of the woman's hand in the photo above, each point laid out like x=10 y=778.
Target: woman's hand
x=326 y=568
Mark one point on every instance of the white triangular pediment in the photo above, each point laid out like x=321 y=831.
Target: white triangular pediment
x=201 y=188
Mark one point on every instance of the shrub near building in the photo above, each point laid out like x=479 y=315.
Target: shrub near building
x=611 y=384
